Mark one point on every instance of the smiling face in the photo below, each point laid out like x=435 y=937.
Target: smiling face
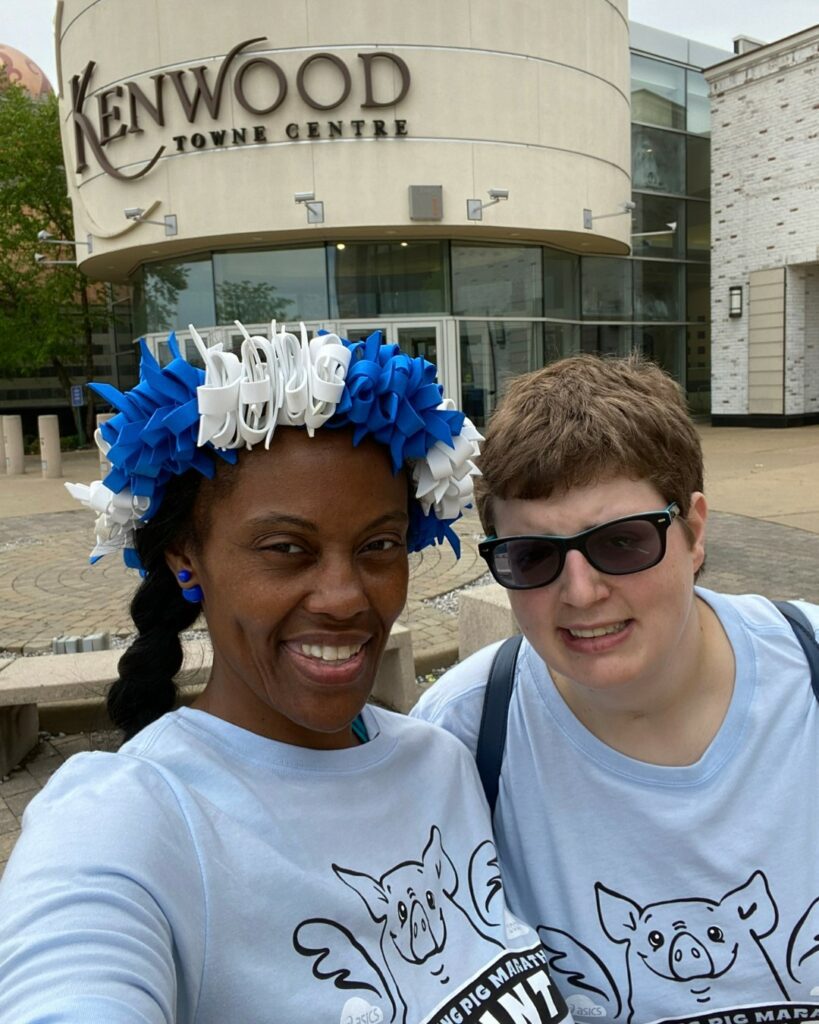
x=597 y=632
x=303 y=565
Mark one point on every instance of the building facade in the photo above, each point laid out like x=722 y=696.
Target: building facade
x=765 y=260
x=470 y=170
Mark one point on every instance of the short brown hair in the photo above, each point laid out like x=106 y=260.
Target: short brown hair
x=585 y=419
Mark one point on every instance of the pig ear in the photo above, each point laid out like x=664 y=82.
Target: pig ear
x=436 y=860
x=369 y=889
x=618 y=914
x=752 y=902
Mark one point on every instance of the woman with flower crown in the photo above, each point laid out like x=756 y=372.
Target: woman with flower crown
x=281 y=851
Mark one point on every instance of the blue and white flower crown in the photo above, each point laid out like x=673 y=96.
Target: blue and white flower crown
x=179 y=417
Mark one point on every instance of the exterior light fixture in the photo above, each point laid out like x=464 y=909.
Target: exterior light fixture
x=670 y=229
x=48 y=239
x=588 y=218
x=314 y=207
x=136 y=213
x=41 y=261
x=340 y=246
x=475 y=208
x=404 y=245
x=735 y=301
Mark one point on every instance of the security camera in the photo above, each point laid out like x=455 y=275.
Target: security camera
x=629 y=205
x=133 y=212
x=498 y=193
x=43 y=236
x=304 y=197
x=38 y=257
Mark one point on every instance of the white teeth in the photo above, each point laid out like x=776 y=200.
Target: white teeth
x=326 y=653
x=588 y=634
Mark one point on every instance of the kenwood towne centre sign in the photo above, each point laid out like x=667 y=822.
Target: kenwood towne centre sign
x=104 y=120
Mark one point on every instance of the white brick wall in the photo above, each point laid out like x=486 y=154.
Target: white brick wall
x=765 y=210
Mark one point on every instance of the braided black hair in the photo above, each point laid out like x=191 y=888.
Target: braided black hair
x=145 y=689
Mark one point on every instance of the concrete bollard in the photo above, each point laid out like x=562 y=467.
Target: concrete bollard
x=484 y=616
x=13 y=436
x=51 y=459
x=105 y=465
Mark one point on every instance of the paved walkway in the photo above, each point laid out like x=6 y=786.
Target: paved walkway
x=762 y=486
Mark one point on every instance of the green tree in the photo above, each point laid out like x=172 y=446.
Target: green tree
x=47 y=313
x=252 y=302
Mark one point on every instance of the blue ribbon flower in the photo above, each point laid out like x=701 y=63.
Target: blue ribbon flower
x=153 y=436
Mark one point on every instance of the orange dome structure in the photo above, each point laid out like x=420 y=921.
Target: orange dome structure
x=23 y=71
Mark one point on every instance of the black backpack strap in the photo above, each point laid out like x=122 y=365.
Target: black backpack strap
x=492 y=734
x=807 y=638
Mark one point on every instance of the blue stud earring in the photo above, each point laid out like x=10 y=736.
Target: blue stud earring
x=194 y=594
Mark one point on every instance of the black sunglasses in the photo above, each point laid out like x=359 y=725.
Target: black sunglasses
x=618 y=548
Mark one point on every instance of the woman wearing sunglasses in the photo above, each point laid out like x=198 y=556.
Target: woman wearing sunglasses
x=656 y=816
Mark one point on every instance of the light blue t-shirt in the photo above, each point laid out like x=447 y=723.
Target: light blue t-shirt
x=207 y=875
x=665 y=892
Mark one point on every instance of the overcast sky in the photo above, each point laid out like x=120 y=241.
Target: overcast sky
x=27 y=24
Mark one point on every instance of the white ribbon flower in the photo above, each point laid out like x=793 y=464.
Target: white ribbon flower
x=285 y=380
x=443 y=478
x=118 y=515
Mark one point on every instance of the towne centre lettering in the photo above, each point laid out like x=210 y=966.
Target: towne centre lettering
x=123 y=110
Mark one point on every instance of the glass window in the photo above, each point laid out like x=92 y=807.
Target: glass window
x=493 y=279
x=699 y=105
x=698 y=368
x=605 y=339
x=172 y=295
x=663 y=345
x=421 y=340
x=698 y=231
x=657 y=159
x=699 y=167
x=657 y=92
x=561 y=288
x=371 y=279
x=657 y=291
x=655 y=213
x=698 y=294
x=492 y=352
x=559 y=341
x=606 y=288
x=278 y=284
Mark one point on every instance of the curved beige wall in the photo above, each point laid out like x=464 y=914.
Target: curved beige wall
x=525 y=95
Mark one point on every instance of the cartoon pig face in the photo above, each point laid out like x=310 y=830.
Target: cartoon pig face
x=684 y=940
x=410 y=899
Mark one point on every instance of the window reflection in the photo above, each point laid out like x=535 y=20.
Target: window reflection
x=492 y=352
x=561 y=291
x=606 y=288
x=372 y=279
x=172 y=295
x=699 y=104
x=663 y=345
x=698 y=233
x=606 y=339
x=657 y=159
x=655 y=213
x=657 y=291
x=282 y=284
x=493 y=279
x=657 y=92
x=699 y=167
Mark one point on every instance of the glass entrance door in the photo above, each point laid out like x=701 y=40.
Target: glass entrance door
x=417 y=337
